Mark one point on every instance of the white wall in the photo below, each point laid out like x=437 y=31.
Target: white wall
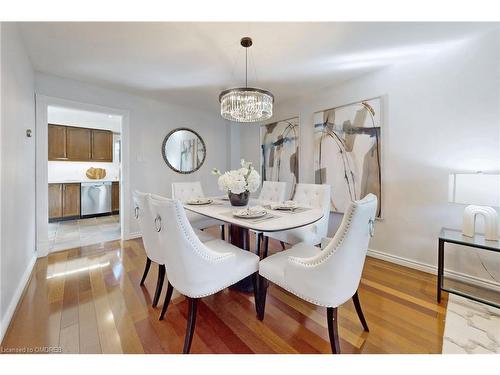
x=85 y=119
x=235 y=145
x=441 y=115
x=149 y=123
x=17 y=172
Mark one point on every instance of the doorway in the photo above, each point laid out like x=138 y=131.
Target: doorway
x=81 y=169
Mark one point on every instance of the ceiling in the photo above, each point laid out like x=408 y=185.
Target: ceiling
x=190 y=63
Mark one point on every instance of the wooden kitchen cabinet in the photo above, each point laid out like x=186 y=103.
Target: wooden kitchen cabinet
x=78 y=144
x=71 y=200
x=64 y=201
x=102 y=145
x=69 y=143
x=57 y=142
x=55 y=201
x=115 y=197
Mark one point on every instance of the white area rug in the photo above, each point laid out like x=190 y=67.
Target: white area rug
x=471 y=327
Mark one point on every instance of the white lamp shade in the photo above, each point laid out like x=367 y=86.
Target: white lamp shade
x=482 y=189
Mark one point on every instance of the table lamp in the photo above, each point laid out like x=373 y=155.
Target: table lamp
x=480 y=191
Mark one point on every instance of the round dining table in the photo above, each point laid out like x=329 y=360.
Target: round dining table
x=239 y=228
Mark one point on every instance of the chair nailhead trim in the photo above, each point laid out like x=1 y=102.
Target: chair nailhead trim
x=203 y=254
x=213 y=291
x=324 y=258
x=302 y=296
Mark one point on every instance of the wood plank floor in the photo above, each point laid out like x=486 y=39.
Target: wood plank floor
x=88 y=300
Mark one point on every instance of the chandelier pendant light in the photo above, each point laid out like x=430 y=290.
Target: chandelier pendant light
x=246 y=104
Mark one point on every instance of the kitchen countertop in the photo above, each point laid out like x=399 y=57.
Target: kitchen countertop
x=79 y=181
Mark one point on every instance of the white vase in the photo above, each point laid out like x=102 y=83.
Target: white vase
x=490 y=221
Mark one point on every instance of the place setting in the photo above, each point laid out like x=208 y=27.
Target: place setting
x=199 y=201
x=254 y=214
x=288 y=206
x=204 y=202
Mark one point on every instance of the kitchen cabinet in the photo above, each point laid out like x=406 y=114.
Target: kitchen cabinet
x=115 y=197
x=69 y=143
x=64 y=201
x=78 y=144
x=102 y=145
x=71 y=200
x=55 y=201
x=57 y=142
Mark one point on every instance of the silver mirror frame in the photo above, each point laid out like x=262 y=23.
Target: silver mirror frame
x=164 y=154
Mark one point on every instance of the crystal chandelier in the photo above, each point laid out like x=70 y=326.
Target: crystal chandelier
x=246 y=104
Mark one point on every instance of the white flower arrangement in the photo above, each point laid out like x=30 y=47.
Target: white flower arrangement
x=239 y=180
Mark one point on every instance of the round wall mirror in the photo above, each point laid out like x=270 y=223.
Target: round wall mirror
x=183 y=150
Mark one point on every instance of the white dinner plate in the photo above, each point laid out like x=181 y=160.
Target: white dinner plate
x=199 y=201
x=287 y=205
x=249 y=213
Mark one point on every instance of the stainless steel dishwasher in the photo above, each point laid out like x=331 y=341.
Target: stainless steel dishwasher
x=96 y=198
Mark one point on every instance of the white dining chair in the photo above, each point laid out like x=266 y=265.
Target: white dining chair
x=154 y=252
x=306 y=195
x=325 y=277
x=150 y=241
x=184 y=191
x=271 y=192
x=196 y=269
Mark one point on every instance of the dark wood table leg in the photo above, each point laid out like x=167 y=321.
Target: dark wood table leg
x=266 y=246
x=258 y=239
x=240 y=237
x=440 y=269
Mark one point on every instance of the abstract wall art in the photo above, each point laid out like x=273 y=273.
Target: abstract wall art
x=279 y=143
x=347 y=147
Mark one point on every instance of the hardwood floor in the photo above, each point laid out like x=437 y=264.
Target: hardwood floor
x=88 y=300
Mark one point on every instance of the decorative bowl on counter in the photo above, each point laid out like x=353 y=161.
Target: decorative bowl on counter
x=95 y=173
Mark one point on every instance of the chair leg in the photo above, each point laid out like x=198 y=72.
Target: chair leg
x=357 y=305
x=193 y=306
x=159 y=284
x=247 y=240
x=170 y=289
x=262 y=290
x=282 y=245
x=256 y=297
x=333 y=329
x=146 y=270
x=223 y=232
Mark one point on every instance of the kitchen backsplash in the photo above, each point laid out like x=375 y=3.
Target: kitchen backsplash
x=71 y=171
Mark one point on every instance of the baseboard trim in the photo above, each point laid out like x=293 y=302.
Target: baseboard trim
x=424 y=267
x=42 y=249
x=133 y=235
x=16 y=298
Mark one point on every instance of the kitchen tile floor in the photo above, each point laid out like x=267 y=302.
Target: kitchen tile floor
x=82 y=232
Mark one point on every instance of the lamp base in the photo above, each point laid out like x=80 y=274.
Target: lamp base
x=490 y=221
